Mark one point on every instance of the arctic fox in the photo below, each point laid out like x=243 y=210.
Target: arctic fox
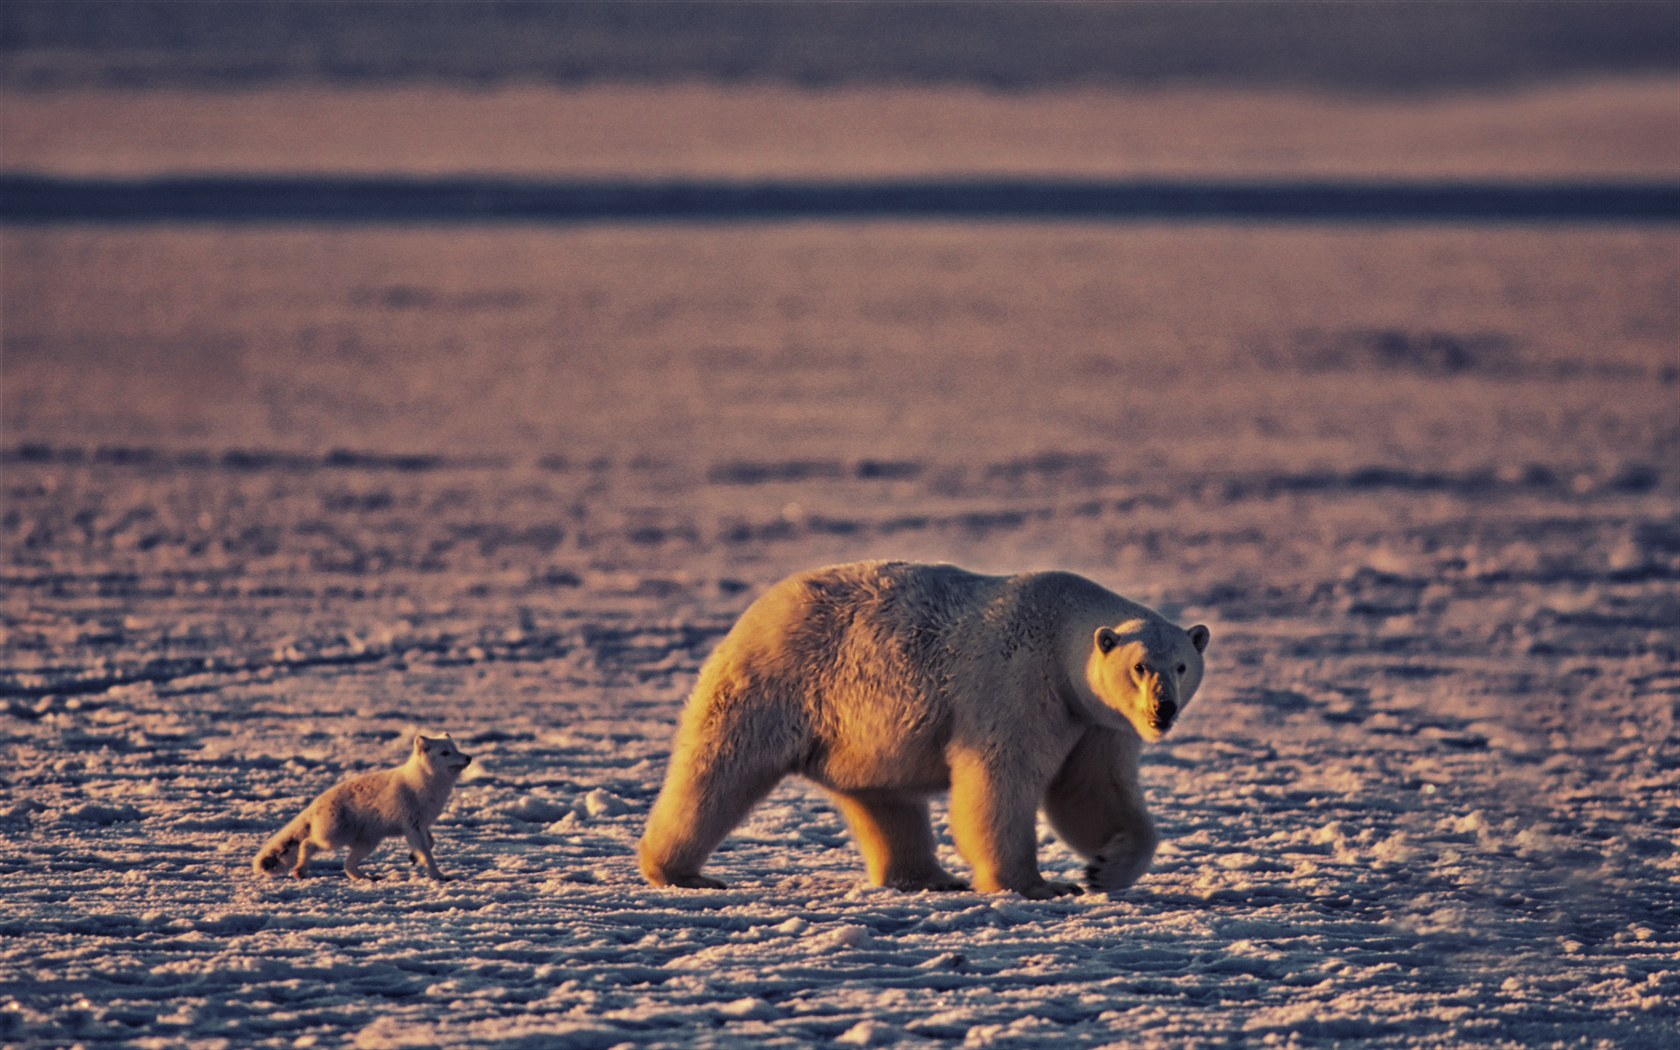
x=365 y=810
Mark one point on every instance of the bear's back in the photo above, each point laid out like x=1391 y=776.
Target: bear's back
x=853 y=637
x=925 y=613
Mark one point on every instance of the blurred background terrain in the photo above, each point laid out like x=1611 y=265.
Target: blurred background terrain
x=1387 y=45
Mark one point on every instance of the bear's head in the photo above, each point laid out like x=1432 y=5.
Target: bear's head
x=1146 y=671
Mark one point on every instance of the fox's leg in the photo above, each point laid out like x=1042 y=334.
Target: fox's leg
x=420 y=843
x=306 y=848
x=357 y=852
x=431 y=843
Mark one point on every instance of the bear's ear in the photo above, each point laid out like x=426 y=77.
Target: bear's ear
x=1106 y=640
x=1199 y=636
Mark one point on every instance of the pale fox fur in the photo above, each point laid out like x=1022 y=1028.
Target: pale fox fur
x=365 y=810
x=886 y=682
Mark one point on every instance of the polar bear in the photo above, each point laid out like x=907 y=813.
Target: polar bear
x=887 y=682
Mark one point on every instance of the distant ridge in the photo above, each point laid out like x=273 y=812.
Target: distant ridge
x=328 y=199
x=1380 y=45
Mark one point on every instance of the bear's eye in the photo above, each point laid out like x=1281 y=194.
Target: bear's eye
x=1140 y=669
x=1182 y=668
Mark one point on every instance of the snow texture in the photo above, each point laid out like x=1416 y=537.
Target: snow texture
x=275 y=499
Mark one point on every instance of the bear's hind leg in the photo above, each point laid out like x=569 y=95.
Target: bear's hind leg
x=893 y=834
x=698 y=807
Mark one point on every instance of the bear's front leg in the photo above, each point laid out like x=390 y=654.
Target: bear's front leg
x=1096 y=805
x=1123 y=860
x=994 y=820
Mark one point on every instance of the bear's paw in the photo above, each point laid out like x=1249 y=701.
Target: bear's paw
x=1047 y=889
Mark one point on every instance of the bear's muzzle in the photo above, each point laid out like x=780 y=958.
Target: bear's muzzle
x=1165 y=712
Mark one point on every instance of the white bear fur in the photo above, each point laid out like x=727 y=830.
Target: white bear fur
x=887 y=682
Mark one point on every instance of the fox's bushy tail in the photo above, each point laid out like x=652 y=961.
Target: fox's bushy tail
x=281 y=851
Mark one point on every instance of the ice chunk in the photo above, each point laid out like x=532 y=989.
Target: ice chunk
x=603 y=803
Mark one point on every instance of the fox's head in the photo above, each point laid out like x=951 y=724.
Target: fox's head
x=440 y=754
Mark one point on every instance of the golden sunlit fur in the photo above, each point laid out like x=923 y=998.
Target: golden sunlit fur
x=365 y=810
x=887 y=682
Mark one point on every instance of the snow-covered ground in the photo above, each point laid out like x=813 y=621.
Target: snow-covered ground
x=276 y=498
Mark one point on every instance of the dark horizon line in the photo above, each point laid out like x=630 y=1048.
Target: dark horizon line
x=48 y=200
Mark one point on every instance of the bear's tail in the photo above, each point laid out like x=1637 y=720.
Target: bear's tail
x=281 y=850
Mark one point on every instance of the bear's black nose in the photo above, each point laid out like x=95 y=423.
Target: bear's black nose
x=1165 y=712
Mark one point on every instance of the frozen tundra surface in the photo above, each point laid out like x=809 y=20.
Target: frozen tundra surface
x=276 y=498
